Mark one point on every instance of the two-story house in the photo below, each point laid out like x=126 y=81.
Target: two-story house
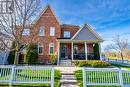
x=68 y=42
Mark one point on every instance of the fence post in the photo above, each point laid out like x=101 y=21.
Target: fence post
x=52 y=77
x=84 y=77
x=121 y=78
x=12 y=76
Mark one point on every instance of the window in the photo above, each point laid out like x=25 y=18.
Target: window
x=52 y=31
x=26 y=32
x=75 y=49
x=67 y=34
x=51 y=48
x=40 y=49
x=41 y=31
x=23 y=49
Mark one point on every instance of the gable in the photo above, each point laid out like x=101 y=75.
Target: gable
x=86 y=33
x=46 y=12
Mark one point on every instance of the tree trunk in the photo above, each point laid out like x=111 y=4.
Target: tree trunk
x=122 y=56
x=16 y=58
x=17 y=53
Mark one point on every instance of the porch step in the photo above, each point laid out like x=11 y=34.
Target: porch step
x=68 y=81
x=65 y=62
x=69 y=85
x=68 y=77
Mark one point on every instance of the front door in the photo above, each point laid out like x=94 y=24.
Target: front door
x=64 y=52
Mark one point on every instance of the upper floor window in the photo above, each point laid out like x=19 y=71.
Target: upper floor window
x=41 y=31
x=26 y=32
x=67 y=34
x=40 y=48
x=52 y=31
x=51 y=48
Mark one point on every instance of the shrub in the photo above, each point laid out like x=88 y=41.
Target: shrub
x=53 y=58
x=31 y=54
x=11 y=54
x=100 y=64
x=84 y=63
x=76 y=62
x=91 y=63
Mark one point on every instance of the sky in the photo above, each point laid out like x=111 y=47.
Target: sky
x=107 y=17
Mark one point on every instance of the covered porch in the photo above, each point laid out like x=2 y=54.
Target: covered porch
x=78 y=50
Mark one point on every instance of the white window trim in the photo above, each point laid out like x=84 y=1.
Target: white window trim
x=43 y=33
x=39 y=45
x=67 y=36
x=52 y=33
x=53 y=48
x=25 y=34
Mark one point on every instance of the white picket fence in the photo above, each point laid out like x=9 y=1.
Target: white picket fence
x=106 y=77
x=26 y=74
x=127 y=62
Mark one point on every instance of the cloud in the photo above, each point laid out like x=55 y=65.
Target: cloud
x=108 y=17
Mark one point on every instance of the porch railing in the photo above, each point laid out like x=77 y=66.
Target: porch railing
x=90 y=56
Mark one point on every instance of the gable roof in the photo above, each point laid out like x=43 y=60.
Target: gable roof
x=86 y=33
x=42 y=12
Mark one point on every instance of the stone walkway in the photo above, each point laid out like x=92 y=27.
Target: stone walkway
x=67 y=76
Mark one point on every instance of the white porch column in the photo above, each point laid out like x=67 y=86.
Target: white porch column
x=100 y=51
x=72 y=51
x=86 y=55
x=58 y=59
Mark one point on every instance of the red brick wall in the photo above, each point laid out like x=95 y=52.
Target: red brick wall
x=47 y=20
x=90 y=48
x=72 y=29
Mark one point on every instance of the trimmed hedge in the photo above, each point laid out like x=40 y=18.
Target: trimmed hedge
x=91 y=63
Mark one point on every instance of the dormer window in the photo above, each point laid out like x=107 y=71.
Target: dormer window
x=67 y=34
x=26 y=32
x=41 y=31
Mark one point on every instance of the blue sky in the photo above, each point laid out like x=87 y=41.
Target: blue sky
x=108 y=17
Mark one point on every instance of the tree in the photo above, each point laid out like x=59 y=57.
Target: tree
x=119 y=45
x=22 y=16
x=11 y=54
x=31 y=54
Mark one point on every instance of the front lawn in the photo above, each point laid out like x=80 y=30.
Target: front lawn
x=78 y=75
x=121 y=66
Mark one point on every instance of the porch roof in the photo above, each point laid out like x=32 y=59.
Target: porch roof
x=79 y=41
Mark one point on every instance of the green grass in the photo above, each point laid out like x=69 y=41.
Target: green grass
x=26 y=74
x=121 y=66
x=78 y=75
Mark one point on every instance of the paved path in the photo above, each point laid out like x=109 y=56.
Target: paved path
x=67 y=76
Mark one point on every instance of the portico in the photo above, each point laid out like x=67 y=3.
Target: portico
x=78 y=50
x=84 y=45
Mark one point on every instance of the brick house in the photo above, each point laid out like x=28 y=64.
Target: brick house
x=69 y=42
